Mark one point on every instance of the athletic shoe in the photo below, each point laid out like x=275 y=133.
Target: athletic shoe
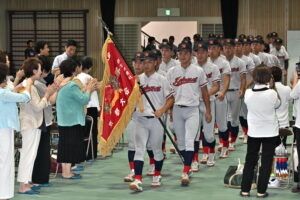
x=173 y=150
x=204 y=159
x=136 y=185
x=241 y=136
x=190 y=173
x=129 y=177
x=274 y=182
x=231 y=147
x=151 y=170
x=211 y=160
x=245 y=139
x=195 y=166
x=156 y=181
x=185 y=179
x=220 y=147
x=224 y=153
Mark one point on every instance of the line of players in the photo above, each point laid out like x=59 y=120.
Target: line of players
x=204 y=87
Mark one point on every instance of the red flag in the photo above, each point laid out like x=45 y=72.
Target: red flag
x=119 y=96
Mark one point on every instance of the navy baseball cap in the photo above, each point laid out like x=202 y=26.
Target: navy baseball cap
x=138 y=56
x=228 y=42
x=185 y=46
x=149 y=55
x=278 y=41
x=259 y=41
x=213 y=42
x=238 y=41
x=157 y=52
x=165 y=45
x=200 y=45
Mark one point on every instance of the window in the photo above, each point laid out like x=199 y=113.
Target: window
x=55 y=27
x=211 y=28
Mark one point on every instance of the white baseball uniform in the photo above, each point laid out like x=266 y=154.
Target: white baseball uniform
x=166 y=66
x=148 y=128
x=213 y=75
x=255 y=59
x=221 y=106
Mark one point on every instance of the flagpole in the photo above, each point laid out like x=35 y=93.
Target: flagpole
x=147 y=97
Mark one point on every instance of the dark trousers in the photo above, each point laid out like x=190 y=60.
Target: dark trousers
x=268 y=150
x=93 y=112
x=297 y=137
x=42 y=164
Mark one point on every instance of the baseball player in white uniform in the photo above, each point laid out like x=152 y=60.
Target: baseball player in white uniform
x=221 y=99
x=247 y=52
x=167 y=60
x=282 y=56
x=187 y=80
x=239 y=47
x=131 y=130
x=235 y=91
x=258 y=48
x=214 y=77
x=148 y=127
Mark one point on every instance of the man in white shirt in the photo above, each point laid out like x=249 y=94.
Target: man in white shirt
x=283 y=57
x=70 y=50
x=221 y=100
x=236 y=90
x=258 y=49
x=295 y=94
x=167 y=60
x=214 y=77
x=187 y=80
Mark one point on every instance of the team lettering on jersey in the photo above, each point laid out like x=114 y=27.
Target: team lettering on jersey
x=235 y=69
x=182 y=80
x=209 y=75
x=152 y=88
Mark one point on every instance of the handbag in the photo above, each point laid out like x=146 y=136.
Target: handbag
x=234 y=175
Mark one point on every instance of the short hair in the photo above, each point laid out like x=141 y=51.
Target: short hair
x=28 y=41
x=3 y=55
x=165 y=40
x=86 y=62
x=150 y=39
x=262 y=74
x=171 y=37
x=71 y=43
x=3 y=72
x=29 y=65
x=68 y=67
x=40 y=45
x=276 y=73
x=45 y=63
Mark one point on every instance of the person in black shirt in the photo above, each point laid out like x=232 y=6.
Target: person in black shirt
x=29 y=51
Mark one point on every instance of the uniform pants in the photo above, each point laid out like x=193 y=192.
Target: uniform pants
x=221 y=114
x=7 y=165
x=41 y=169
x=186 y=126
x=268 y=150
x=244 y=111
x=208 y=128
x=30 y=144
x=234 y=106
x=148 y=131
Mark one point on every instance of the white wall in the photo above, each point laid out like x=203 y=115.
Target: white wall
x=293 y=48
x=163 y=29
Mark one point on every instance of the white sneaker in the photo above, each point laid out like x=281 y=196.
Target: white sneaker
x=201 y=145
x=274 y=182
x=204 y=159
x=245 y=139
x=211 y=160
x=231 y=147
x=224 y=153
x=156 y=181
x=172 y=149
x=151 y=170
x=129 y=177
x=136 y=186
x=195 y=166
x=185 y=179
